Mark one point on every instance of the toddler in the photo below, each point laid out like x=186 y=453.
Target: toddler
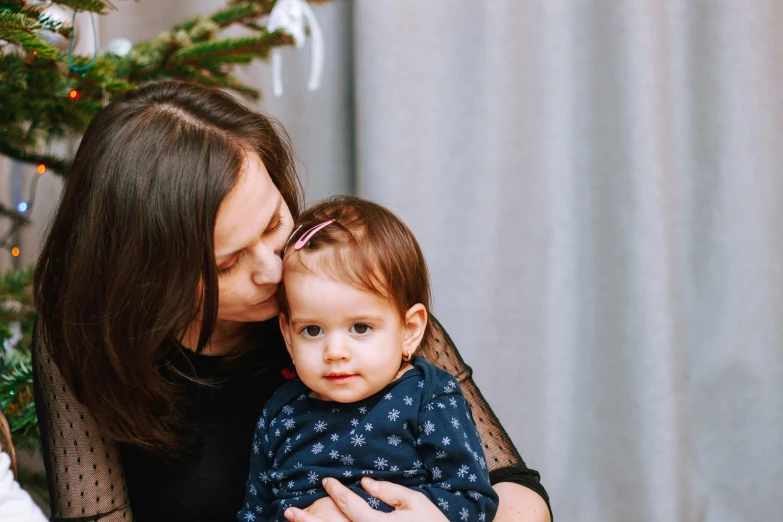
x=354 y=310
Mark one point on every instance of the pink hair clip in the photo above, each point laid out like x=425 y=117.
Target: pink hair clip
x=302 y=241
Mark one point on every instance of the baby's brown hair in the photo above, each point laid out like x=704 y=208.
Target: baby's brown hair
x=367 y=247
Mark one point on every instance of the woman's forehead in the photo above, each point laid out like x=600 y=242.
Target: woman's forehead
x=247 y=210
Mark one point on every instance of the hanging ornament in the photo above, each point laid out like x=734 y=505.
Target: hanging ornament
x=290 y=16
x=57 y=14
x=119 y=46
x=73 y=41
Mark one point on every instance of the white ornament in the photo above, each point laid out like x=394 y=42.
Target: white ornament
x=119 y=46
x=290 y=16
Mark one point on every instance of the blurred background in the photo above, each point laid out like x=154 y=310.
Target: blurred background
x=598 y=190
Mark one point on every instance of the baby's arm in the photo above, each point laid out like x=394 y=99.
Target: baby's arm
x=450 y=449
x=258 y=492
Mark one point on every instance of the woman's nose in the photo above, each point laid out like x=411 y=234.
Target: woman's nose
x=268 y=267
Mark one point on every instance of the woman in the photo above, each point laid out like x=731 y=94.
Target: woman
x=158 y=342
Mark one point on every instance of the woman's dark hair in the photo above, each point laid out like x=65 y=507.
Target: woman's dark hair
x=128 y=260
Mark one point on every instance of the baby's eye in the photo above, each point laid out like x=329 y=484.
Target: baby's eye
x=360 y=329
x=311 y=331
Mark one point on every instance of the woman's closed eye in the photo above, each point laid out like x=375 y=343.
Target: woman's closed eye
x=360 y=328
x=230 y=269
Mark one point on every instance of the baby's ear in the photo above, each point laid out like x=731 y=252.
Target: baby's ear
x=414 y=324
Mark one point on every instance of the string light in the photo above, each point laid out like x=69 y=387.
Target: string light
x=21 y=207
x=41 y=168
x=15 y=251
x=74 y=94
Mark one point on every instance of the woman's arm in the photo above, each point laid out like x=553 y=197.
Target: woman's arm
x=83 y=466
x=503 y=460
x=520 y=504
x=517 y=504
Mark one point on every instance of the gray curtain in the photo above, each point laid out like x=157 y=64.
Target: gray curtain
x=597 y=188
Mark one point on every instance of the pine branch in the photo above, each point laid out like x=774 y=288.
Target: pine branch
x=53 y=163
x=258 y=46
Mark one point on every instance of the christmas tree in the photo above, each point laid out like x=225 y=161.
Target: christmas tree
x=47 y=93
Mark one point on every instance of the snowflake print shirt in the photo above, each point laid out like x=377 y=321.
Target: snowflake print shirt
x=418 y=432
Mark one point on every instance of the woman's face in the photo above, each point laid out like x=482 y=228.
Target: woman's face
x=252 y=226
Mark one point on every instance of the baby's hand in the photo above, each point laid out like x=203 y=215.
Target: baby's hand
x=326 y=510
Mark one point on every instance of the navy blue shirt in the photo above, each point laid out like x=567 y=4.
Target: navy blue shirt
x=418 y=432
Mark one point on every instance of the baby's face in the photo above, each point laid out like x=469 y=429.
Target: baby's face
x=347 y=344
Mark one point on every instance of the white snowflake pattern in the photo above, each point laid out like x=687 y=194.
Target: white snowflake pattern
x=463 y=514
x=301 y=397
x=289 y=424
x=450 y=386
x=290 y=484
x=346 y=460
x=256 y=447
x=394 y=468
x=472 y=477
x=446 y=441
x=442 y=504
x=381 y=463
x=297 y=465
x=421 y=384
x=358 y=440
x=347 y=474
x=482 y=463
x=407 y=400
x=453 y=402
x=253 y=489
x=430 y=407
x=394 y=440
x=249 y=517
x=288 y=409
x=319 y=426
x=482 y=517
x=277 y=433
x=261 y=424
x=446 y=486
x=263 y=477
x=335 y=410
x=388 y=396
x=317 y=448
x=429 y=428
x=441 y=406
x=272 y=423
x=311 y=492
x=354 y=422
x=363 y=409
x=335 y=437
x=368 y=427
x=405 y=426
x=312 y=477
x=299 y=436
x=462 y=471
x=259 y=509
x=374 y=502
x=417 y=464
x=475 y=495
x=436 y=473
x=394 y=415
x=455 y=423
x=334 y=454
x=408 y=473
x=440 y=455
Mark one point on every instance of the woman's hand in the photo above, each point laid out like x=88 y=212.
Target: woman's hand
x=407 y=503
x=325 y=509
